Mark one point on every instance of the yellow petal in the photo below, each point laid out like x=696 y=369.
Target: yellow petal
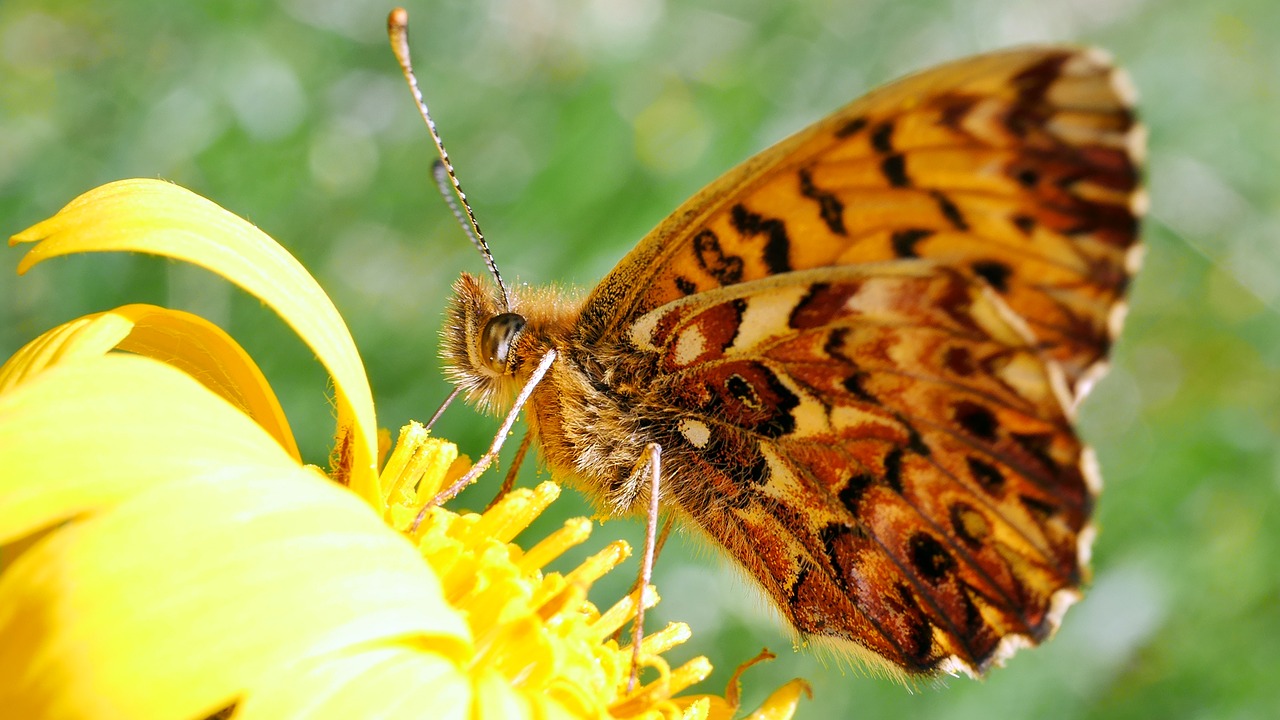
x=185 y=341
x=202 y=586
x=384 y=683
x=782 y=703
x=699 y=709
x=157 y=217
x=83 y=435
x=84 y=337
x=229 y=560
x=496 y=699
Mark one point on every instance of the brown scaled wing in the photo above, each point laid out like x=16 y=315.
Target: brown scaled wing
x=864 y=342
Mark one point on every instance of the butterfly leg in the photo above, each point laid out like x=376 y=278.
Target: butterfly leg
x=667 y=525
x=653 y=453
x=443 y=406
x=642 y=576
x=516 y=463
x=492 y=454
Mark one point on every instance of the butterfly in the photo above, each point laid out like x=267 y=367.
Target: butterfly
x=859 y=354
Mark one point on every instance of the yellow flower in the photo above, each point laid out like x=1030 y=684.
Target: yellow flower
x=164 y=551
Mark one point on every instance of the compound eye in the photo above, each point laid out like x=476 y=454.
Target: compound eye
x=497 y=339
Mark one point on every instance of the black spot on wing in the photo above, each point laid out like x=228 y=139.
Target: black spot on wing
x=893 y=469
x=1030 y=111
x=973 y=621
x=950 y=211
x=854 y=488
x=741 y=389
x=829 y=206
x=960 y=361
x=732 y=315
x=915 y=443
x=987 y=475
x=1034 y=82
x=855 y=385
x=920 y=631
x=1037 y=446
x=852 y=127
x=995 y=273
x=976 y=419
x=746 y=395
x=777 y=247
x=756 y=469
x=834 y=346
x=954 y=108
x=1025 y=223
x=904 y=241
x=930 y=559
x=1041 y=509
x=726 y=269
x=832 y=536
x=882 y=138
x=894 y=168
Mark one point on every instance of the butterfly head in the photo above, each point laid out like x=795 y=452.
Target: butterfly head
x=490 y=348
x=481 y=343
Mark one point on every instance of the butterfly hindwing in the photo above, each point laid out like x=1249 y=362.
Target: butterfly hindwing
x=883 y=448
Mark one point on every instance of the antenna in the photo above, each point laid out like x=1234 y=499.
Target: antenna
x=398 y=32
x=443 y=184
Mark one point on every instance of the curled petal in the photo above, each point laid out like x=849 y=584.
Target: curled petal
x=85 y=337
x=156 y=217
x=188 y=342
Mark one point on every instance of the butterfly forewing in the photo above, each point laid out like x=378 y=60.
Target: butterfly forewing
x=859 y=352
x=1019 y=167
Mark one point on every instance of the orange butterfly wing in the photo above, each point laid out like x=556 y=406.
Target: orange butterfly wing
x=1019 y=166
x=866 y=342
x=883 y=449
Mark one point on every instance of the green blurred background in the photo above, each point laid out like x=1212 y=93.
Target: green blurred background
x=576 y=126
